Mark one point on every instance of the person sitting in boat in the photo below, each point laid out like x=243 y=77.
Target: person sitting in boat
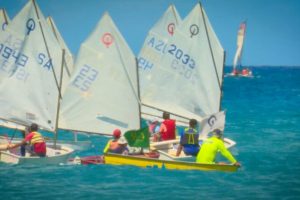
x=235 y=72
x=35 y=140
x=245 y=72
x=189 y=140
x=211 y=147
x=167 y=128
x=117 y=145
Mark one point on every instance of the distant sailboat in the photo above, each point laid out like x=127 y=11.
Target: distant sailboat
x=188 y=74
x=238 y=70
x=31 y=62
x=103 y=91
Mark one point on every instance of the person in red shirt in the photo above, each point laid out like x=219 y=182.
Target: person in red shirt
x=35 y=140
x=167 y=128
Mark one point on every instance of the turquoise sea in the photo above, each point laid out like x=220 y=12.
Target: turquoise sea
x=263 y=117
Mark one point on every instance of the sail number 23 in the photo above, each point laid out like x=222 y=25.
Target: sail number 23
x=86 y=76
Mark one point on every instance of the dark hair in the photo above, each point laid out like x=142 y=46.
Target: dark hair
x=33 y=127
x=218 y=132
x=166 y=115
x=193 y=123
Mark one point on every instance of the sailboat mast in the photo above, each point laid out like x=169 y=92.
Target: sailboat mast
x=58 y=99
x=138 y=89
x=46 y=45
x=221 y=96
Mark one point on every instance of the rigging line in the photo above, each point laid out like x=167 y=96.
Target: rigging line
x=173 y=10
x=128 y=77
x=56 y=36
x=48 y=52
x=165 y=111
x=209 y=43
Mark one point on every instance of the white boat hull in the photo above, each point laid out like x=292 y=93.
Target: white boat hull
x=76 y=145
x=53 y=156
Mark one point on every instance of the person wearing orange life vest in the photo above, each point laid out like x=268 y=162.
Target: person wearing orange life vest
x=167 y=128
x=35 y=140
x=117 y=145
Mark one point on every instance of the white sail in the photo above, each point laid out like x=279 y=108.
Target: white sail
x=68 y=57
x=150 y=55
x=29 y=57
x=240 y=42
x=4 y=19
x=187 y=79
x=102 y=94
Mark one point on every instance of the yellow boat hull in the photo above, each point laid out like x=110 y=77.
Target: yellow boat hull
x=117 y=159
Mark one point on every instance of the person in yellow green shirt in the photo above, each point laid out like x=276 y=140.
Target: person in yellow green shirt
x=211 y=147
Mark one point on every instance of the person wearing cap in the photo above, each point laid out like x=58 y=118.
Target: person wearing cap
x=211 y=147
x=117 y=145
x=189 y=140
x=36 y=141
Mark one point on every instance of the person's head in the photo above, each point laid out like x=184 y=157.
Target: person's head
x=122 y=141
x=218 y=133
x=33 y=127
x=117 y=133
x=166 y=115
x=193 y=123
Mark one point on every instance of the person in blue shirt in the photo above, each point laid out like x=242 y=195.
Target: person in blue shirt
x=189 y=140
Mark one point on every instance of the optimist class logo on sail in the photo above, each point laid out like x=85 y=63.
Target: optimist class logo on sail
x=107 y=39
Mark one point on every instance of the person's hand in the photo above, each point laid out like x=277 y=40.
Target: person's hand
x=237 y=164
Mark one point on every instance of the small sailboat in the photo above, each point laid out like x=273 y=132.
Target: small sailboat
x=31 y=80
x=238 y=69
x=187 y=74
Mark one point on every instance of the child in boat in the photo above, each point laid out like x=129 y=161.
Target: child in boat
x=117 y=145
x=36 y=141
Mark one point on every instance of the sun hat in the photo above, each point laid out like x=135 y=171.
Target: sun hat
x=117 y=133
x=122 y=140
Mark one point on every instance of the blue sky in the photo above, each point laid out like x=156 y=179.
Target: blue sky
x=273 y=34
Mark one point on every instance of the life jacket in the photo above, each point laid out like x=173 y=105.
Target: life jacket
x=36 y=138
x=114 y=145
x=169 y=134
x=190 y=136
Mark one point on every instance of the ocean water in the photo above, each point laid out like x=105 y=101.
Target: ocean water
x=262 y=116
